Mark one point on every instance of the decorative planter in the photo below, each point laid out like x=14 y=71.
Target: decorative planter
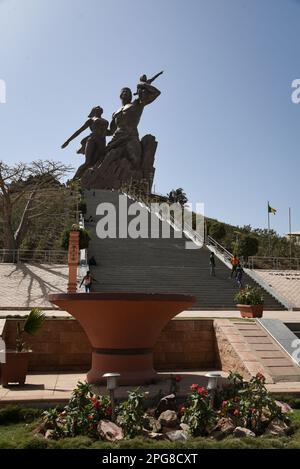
x=15 y=369
x=122 y=329
x=251 y=311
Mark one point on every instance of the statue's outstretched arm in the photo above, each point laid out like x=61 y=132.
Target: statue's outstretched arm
x=147 y=93
x=154 y=78
x=78 y=132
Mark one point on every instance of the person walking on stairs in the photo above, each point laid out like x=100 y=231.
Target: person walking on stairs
x=88 y=280
x=212 y=264
x=239 y=275
x=234 y=262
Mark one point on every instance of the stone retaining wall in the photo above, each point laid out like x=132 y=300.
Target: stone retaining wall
x=62 y=345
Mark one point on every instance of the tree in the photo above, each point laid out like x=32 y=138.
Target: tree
x=217 y=230
x=248 y=246
x=177 y=196
x=25 y=190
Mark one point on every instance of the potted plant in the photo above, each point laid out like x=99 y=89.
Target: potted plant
x=14 y=370
x=250 y=302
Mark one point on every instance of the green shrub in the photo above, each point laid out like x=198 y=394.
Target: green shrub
x=16 y=414
x=249 y=296
x=199 y=414
x=131 y=413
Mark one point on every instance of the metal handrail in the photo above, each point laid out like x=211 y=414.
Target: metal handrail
x=27 y=255
x=223 y=251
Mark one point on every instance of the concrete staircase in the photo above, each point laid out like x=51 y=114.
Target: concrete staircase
x=158 y=265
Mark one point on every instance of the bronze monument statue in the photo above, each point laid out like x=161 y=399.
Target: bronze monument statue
x=126 y=157
x=92 y=146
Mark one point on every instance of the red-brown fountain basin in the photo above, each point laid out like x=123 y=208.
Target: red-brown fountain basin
x=123 y=329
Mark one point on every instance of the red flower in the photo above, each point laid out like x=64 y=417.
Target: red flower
x=90 y=417
x=182 y=409
x=194 y=387
x=224 y=403
x=95 y=402
x=202 y=391
x=260 y=376
x=236 y=412
x=253 y=411
x=178 y=378
x=109 y=410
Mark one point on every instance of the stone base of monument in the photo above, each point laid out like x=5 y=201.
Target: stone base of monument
x=122 y=329
x=121 y=172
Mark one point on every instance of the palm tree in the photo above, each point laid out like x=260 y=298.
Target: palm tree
x=177 y=196
x=33 y=323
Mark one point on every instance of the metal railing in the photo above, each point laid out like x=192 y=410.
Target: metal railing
x=273 y=263
x=38 y=256
x=227 y=255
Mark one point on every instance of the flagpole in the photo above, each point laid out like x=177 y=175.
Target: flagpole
x=269 y=229
x=290 y=230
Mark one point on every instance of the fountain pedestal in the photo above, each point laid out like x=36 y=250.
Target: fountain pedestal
x=122 y=329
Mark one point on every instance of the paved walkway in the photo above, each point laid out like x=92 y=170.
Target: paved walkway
x=28 y=285
x=285 y=282
x=286 y=316
x=56 y=388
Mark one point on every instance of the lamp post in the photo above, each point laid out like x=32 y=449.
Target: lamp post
x=212 y=385
x=111 y=384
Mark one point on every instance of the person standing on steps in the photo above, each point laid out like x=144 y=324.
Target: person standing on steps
x=212 y=264
x=234 y=262
x=88 y=280
x=239 y=275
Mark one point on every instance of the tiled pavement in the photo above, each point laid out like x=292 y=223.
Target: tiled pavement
x=286 y=282
x=53 y=389
x=28 y=285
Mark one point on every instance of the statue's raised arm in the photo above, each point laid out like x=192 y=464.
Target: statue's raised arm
x=147 y=93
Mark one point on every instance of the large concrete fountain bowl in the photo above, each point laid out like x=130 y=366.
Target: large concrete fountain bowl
x=123 y=329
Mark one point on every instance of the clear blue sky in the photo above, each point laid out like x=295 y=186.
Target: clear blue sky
x=227 y=129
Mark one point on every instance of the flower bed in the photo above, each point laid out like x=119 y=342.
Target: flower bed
x=240 y=408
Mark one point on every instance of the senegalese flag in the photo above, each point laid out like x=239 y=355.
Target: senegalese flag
x=271 y=210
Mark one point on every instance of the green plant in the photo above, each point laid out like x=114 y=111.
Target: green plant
x=249 y=296
x=199 y=414
x=32 y=324
x=84 y=239
x=81 y=415
x=249 y=404
x=131 y=413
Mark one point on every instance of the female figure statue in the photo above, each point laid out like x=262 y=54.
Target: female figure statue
x=93 y=146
